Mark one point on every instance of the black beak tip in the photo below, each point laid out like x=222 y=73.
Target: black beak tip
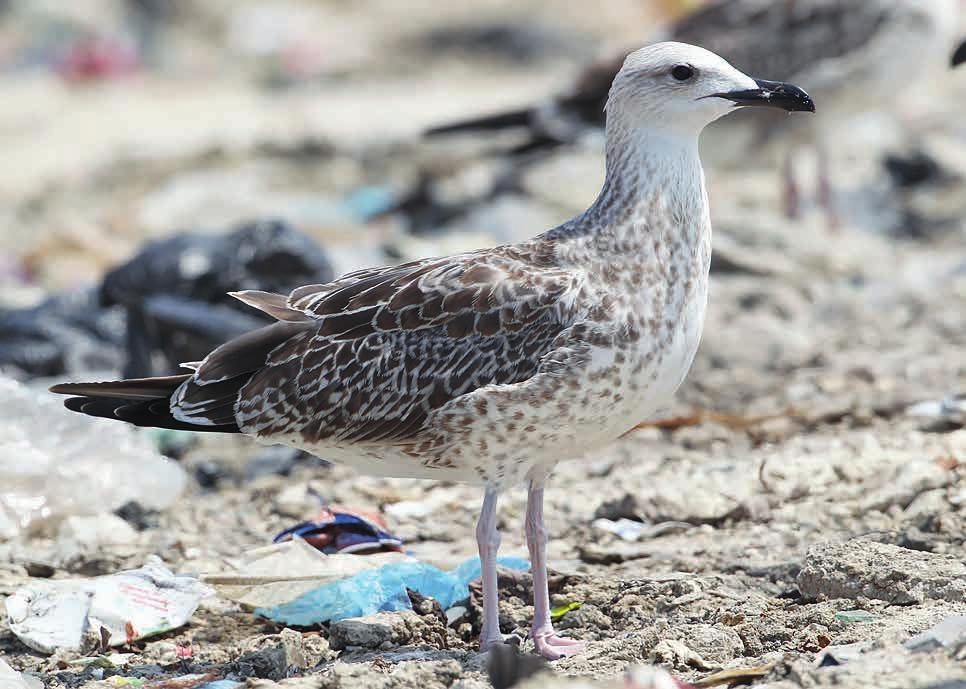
x=959 y=57
x=772 y=94
x=786 y=96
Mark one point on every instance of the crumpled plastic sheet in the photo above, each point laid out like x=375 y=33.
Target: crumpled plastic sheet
x=55 y=463
x=130 y=605
x=11 y=679
x=382 y=590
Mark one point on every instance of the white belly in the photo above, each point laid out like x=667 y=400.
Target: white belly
x=632 y=392
x=672 y=369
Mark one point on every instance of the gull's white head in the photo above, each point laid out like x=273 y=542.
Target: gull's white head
x=680 y=88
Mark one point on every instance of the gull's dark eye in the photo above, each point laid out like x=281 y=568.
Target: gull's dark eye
x=682 y=72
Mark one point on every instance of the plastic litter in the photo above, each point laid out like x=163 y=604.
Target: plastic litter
x=55 y=465
x=222 y=684
x=561 y=610
x=951 y=408
x=841 y=654
x=732 y=677
x=854 y=616
x=279 y=573
x=344 y=530
x=11 y=679
x=949 y=633
x=107 y=661
x=127 y=605
x=632 y=530
x=98 y=58
x=381 y=590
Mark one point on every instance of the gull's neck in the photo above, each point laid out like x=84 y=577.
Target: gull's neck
x=653 y=192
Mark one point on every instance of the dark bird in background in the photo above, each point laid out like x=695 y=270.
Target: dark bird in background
x=834 y=48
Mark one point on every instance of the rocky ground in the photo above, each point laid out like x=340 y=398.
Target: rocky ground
x=799 y=513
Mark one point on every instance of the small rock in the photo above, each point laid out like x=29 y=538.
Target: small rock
x=41 y=570
x=296 y=501
x=677 y=655
x=208 y=474
x=860 y=568
x=294 y=652
x=363 y=632
x=275 y=460
x=424 y=672
x=424 y=605
x=387 y=629
x=138 y=516
x=267 y=663
x=715 y=644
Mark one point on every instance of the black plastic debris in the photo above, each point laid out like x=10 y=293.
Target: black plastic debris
x=913 y=170
x=175 y=290
x=65 y=333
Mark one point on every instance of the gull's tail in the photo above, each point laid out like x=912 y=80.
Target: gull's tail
x=139 y=401
x=204 y=400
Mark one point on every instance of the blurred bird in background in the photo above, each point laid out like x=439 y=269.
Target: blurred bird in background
x=835 y=48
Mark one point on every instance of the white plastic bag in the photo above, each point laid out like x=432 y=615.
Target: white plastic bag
x=11 y=679
x=130 y=605
x=55 y=463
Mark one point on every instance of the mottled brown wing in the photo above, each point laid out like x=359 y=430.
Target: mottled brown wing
x=390 y=345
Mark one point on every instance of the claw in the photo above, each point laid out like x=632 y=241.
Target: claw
x=553 y=647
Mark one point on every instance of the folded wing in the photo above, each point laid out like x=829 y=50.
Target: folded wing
x=367 y=358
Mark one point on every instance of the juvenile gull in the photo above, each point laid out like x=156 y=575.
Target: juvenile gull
x=840 y=48
x=491 y=366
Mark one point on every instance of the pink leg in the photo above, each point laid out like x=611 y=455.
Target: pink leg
x=791 y=197
x=826 y=193
x=488 y=540
x=547 y=643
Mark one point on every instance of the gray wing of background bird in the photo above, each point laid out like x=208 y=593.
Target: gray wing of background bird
x=794 y=40
x=780 y=39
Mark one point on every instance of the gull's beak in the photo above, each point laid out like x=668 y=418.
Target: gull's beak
x=959 y=56
x=773 y=94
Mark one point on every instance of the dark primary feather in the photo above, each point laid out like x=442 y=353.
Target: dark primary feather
x=142 y=402
x=365 y=358
x=133 y=388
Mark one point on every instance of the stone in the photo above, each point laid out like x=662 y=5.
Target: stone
x=387 y=629
x=373 y=631
x=867 y=569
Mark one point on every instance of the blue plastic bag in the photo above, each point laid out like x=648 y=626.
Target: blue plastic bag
x=382 y=590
